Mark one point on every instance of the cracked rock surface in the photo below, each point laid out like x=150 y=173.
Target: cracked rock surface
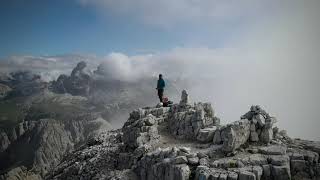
x=186 y=141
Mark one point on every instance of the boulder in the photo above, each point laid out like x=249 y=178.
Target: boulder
x=223 y=176
x=279 y=160
x=266 y=135
x=181 y=160
x=281 y=172
x=186 y=122
x=254 y=137
x=298 y=166
x=232 y=176
x=217 y=137
x=258 y=171
x=235 y=134
x=206 y=135
x=266 y=171
x=181 y=172
x=273 y=150
x=245 y=175
x=137 y=132
x=150 y=120
x=184 y=98
x=193 y=160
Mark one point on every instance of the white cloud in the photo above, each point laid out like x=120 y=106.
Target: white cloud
x=49 y=67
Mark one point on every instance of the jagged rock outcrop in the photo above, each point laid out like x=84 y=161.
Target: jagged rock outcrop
x=78 y=83
x=189 y=121
x=44 y=142
x=22 y=83
x=255 y=126
x=39 y=142
x=4 y=90
x=141 y=127
x=4 y=141
x=137 y=152
x=234 y=135
x=19 y=173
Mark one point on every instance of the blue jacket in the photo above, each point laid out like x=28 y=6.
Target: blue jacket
x=161 y=84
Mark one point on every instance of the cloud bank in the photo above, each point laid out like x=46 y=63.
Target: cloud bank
x=49 y=67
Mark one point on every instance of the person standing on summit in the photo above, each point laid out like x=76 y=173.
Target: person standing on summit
x=160 y=87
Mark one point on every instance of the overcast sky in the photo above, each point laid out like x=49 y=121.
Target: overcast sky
x=235 y=52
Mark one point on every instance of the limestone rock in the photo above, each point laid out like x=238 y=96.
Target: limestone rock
x=273 y=150
x=140 y=129
x=206 y=135
x=184 y=98
x=254 y=137
x=20 y=173
x=193 y=160
x=4 y=91
x=235 y=134
x=135 y=149
x=182 y=172
x=232 y=176
x=266 y=135
x=181 y=160
x=4 y=140
x=266 y=171
x=281 y=172
x=245 y=175
x=217 y=137
x=257 y=170
x=186 y=122
x=78 y=83
x=279 y=160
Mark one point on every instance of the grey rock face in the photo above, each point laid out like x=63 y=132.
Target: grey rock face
x=20 y=173
x=254 y=137
x=245 y=175
x=281 y=172
x=184 y=98
x=273 y=150
x=96 y=160
x=141 y=128
x=4 y=90
x=4 y=141
x=206 y=134
x=235 y=134
x=266 y=135
x=261 y=125
x=163 y=164
x=217 y=137
x=186 y=122
x=123 y=153
x=193 y=160
x=40 y=142
x=181 y=160
x=24 y=83
x=78 y=83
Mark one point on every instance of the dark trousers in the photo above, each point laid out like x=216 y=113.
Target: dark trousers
x=160 y=94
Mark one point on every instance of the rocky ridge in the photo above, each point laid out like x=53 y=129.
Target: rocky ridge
x=186 y=141
x=37 y=144
x=41 y=121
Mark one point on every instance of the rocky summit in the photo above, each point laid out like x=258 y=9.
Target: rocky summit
x=186 y=141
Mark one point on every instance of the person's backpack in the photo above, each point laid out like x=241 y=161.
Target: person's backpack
x=166 y=102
